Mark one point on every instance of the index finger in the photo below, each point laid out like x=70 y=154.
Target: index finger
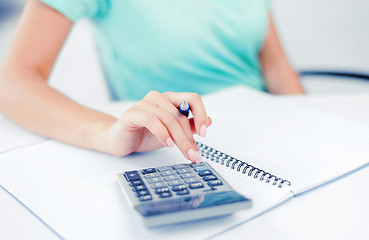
x=197 y=108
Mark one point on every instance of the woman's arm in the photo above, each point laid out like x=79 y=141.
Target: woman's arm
x=26 y=98
x=278 y=74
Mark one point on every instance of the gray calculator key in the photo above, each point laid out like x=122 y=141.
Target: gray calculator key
x=194 y=165
x=183 y=192
x=200 y=168
x=191 y=180
x=165 y=195
x=187 y=175
x=145 y=198
x=137 y=182
x=142 y=193
x=171 y=177
x=154 y=179
x=215 y=183
x=168 y=172
x=140 y=187
x=179 y=187
x=162 y=190
x=165 y=168
x=158 y=185
x=180 y=166
x=150 y=175
x=184 y=170
x=196 y=185
x=148 y=170
x=175 y=182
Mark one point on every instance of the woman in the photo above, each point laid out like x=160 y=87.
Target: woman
x=149 y=50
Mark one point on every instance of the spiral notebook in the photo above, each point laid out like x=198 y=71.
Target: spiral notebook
x=266 y=150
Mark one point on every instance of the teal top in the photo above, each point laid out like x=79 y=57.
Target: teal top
x=174 y=45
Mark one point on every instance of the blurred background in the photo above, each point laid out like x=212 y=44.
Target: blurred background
x=10 y=11
x=325 y=36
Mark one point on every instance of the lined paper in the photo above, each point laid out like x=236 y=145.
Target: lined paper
x=76 y=192
x=303 y=146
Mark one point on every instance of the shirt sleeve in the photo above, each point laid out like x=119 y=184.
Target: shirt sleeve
x=77 y=9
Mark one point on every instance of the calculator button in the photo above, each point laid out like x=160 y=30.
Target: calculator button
x=168 y=172
x=160 y=169
x=210 y=177
x=180 y=166
x=140 y=187
x=154 y=179
x=151 y=175
x=187 y=175
x=205 y=173
x=162 y=190
x=191 y=180
x=179 y=187
x=194 y=165
x=137 y=182
x=165 y=195
x=200 y=168
x=142 y=193
x=132 y=176
x=158 y=185
x=175 y=182
x=215 y=183
x=171 y=177
x=145 y=198
x=183 y=192
x=184 y=170
x=195 y=185
x=149 y=170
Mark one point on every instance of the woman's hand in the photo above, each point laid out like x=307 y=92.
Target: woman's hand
x=152 y=123
x=155 y=122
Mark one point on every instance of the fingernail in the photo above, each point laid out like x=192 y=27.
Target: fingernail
x=170 y=143
x=203 y=131
x=194 y=156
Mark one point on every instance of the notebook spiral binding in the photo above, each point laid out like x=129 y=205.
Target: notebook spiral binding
x=245 y=168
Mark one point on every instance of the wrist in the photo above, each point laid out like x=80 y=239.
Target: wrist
x=102 y=140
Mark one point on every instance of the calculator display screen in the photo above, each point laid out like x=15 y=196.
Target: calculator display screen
x=192 y=202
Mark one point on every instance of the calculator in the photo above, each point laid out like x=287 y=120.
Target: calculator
x=178 y=193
